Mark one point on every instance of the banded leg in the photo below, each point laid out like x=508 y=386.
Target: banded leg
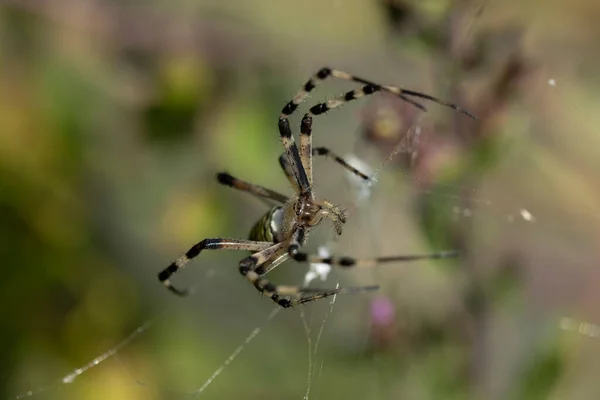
x=293 y=157
x=369 y=262
x=255 y=267
x=302 y=164
x=257 y=190
x=344 y=262
x=289 y=296
x=371 y=88
x=206 y=244
x=366 y=90
x=326 y=72
x=305 y=158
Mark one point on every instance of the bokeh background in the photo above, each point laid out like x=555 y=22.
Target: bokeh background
x=116 y=115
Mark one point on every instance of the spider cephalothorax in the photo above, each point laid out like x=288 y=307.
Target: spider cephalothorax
x=309 y=213
x=282 y=232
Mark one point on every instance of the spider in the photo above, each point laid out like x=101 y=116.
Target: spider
x=282 y=232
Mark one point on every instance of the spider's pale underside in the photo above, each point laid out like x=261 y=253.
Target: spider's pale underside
x=282 y=232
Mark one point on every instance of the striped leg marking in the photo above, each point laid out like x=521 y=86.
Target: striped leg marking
x=294 y=294
x=372 y=88
x=369 y=262
x=259 y=264
x=326 y=72
x=293 y=156
x=300 y=162
x=207 y=244
x=252 y=268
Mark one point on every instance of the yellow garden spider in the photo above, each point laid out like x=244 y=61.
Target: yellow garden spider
x=283 y=230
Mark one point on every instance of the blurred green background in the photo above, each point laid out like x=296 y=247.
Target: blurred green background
x=115 y=117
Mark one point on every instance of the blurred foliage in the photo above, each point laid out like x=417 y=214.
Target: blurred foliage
x=115 y=117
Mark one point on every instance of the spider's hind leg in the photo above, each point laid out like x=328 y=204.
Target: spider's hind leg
x=207 y=244
x=255 y=267
x=291 y=296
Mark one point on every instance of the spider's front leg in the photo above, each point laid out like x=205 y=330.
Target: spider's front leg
x=319 y=151
x=207 y=244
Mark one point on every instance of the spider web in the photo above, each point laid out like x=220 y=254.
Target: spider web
x=314 y=332
x=362 y=191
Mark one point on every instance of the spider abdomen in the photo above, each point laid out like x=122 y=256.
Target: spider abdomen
x=268 y=227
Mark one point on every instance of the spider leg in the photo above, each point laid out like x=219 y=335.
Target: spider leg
x=289 y=171
x=257 y=190
x=260 y=263
x=305 y=156
x=367 y=90
x=296 y=241
x=319 y=151
x=306 y=152
x=320 y=76
x=369 y=262
x=301 y=162
x=326 y=72
x=278 y=258
x=324 y=151
x=206 y=244
x=320 y=293
x=293 y=157
x=296 y=292
x=252 y=268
